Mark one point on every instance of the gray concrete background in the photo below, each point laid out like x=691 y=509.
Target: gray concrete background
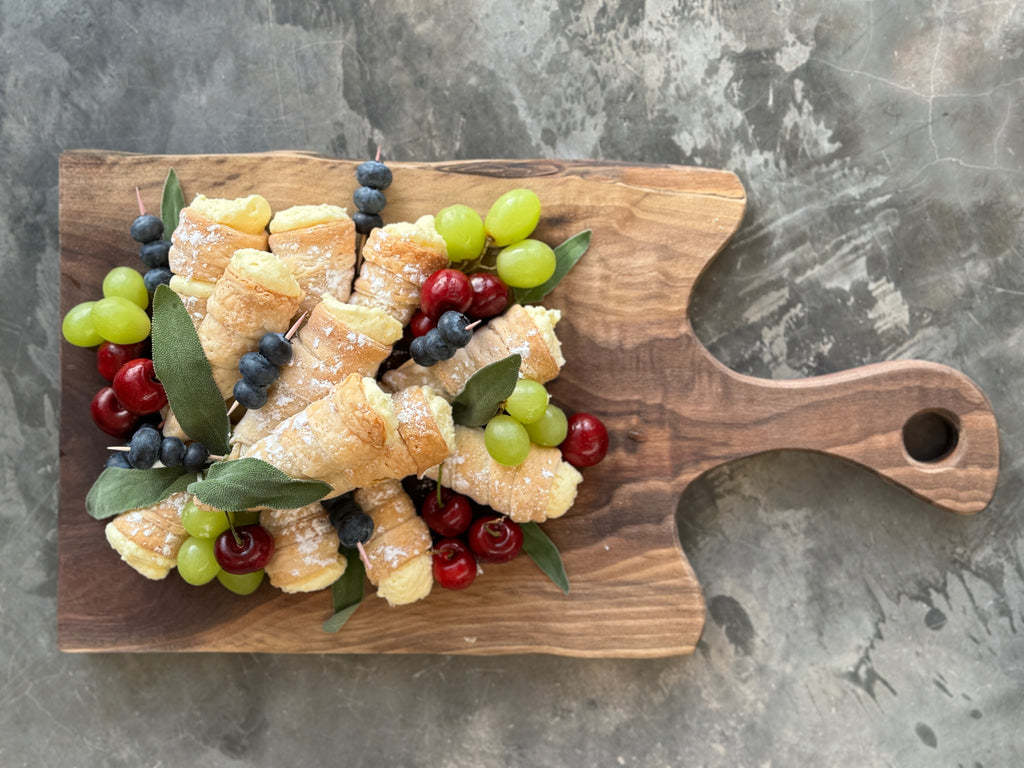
x=882 y=149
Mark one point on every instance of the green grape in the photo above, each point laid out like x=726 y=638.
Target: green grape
x=506 y=440
x=196 y=562
x=204 y=523
x=246 y=517
x=462 y=230
x=119 y=320
x=527 y=402
x=241 y=583
x=127 y=283
x=526 y=264
x=77 y=326
x=550 y=429
x=513 y=216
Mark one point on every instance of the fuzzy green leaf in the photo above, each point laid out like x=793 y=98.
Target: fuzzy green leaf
x=171 y=203
x=182 y=367
x=119 y=490
x=485 y=391
x=566 y=256
x=545 y=554
x=237 y=484
x=346 y=592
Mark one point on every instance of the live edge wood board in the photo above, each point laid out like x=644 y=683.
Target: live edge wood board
x=672 y=410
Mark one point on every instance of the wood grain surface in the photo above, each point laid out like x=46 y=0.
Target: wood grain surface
x=673 y=413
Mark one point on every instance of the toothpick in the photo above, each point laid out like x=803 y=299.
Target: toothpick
x=362 y=555
x=138 y=196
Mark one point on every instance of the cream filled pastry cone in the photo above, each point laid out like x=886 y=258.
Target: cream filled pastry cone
x=337 y=340
x=209 y=232
x=529 y=331
x=358 y=435
x=255 y=295
x=148 y=539
x=540 y=488
x=397 y=259
x=306 y=557
x=426 y=436
x=350 y=426
x=398 y=558
x=318 y=245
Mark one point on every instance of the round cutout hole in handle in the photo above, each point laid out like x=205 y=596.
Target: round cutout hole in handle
x=931 y=436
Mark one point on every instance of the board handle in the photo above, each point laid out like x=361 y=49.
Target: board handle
x=921 y=425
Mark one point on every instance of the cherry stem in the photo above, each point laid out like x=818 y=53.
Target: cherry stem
x=234 y=533
x=138 y=196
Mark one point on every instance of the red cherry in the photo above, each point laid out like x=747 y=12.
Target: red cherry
x=586 y=442
x=110 y=357
x=490 y=295
x=454 y=564
x=449 y=517
x=112 y=417
x=495 y=538
x=444 y=290
x=421 y=324
x=137 y=388
x=249 y=553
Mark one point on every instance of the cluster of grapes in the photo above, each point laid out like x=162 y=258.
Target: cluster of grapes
x=373 y=178
x=260 y=369
x=228 y=546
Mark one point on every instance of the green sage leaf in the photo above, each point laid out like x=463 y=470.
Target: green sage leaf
x=545 y=554
x=237 y=484
x=566 y=256
x=182 y=367
x=346 y=592
x=171 y=203
x=485 y=391
x=119 y=490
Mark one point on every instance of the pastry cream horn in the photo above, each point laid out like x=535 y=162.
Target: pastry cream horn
x=397 y=259
x=209 y=232
x=306 y=557
x=337 y=340
x=398 y=558
x=148 y=539
x=318 y=244
x=255 y=295
x=540 y=488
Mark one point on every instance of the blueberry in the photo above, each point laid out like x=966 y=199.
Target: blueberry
x=172 y=451
x=118 y=459
x=420 y=354
x=340 y=506
x=195 y=457
x=157 y=276
x=256 y=369
x=373 y=173
x=276 y=348
x=147 y=228
x=355 y=527
x=144 y=448
x=369 y=200
x=154 y=253
x=367 y=222
x=452 y=328
x=436 y=345
x=250 y=395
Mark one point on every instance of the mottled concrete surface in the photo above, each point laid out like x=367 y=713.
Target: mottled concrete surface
x=882 y=148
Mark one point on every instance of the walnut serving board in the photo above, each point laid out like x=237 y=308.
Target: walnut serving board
x=673 y=412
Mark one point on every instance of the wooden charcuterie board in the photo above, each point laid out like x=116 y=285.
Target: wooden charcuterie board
x=672 y=410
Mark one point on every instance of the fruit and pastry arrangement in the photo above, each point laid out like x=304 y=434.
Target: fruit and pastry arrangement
x=317 y=399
